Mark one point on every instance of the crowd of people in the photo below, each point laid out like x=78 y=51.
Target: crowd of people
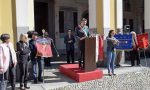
x=27 y=51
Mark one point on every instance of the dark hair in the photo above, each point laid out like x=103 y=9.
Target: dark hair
x=30 y=34
x=5 y=37
x=109 y=34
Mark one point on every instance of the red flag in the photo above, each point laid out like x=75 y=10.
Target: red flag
x=101 y=48
x=143 y=40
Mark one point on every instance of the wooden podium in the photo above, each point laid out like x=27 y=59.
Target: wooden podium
x=90 y=54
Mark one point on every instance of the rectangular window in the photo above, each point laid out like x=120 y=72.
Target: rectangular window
x=75 y=19
x=127 y=5
x=61 y=21
x=131 y=23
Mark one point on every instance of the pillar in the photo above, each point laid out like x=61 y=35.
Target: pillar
x=147 y=16
x=25 y=16
x=113 y=19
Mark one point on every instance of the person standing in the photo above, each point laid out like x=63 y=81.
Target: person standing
x=69 y=40
x=33 y=54
x=82 y=32
x=24 y=57
x=9 y=56
x=111 y=54
x=118 y=52
x=135 y=50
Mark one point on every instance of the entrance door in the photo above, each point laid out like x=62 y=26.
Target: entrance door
x=41 y=16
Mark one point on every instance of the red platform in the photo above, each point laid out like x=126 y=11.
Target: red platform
x=73 y=71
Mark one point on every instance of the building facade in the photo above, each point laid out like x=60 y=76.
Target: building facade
x=56 y=16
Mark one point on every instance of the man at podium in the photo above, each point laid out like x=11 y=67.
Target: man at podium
x=82 y=31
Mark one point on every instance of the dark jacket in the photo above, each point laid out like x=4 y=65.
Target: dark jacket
x=23 y=51
x=33 y=49
x=69 y=46
x=79 y=34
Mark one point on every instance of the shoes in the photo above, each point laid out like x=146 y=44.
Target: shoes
x=40 y=80
x=26 y=87
x=22 y=88
x=118 y=65
x=110 y=74
x=35 y=81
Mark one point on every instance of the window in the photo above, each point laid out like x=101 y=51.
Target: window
x=61 y=21
x=75 y=19
x=127 y=5
x=131 y=23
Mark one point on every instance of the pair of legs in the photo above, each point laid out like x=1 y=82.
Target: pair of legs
x=110 y=61
x=37 y=68
x=70 y=53
x=23 y=74
x=11 y=72
x=134 y=56
x=118 y=57
x=81 y=53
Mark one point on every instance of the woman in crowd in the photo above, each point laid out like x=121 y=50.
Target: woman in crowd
x=23 y=56
x=111 y=54
x=82 y=31
x=135 y=50
x=8 y=59
x=69 y=40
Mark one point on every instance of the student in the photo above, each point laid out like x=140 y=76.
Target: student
x=135 y=50
x=8 y=55
x=69 y=40
x=111 y=54
x=23 y=53
x=82 y=31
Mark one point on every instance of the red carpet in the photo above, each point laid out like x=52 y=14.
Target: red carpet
x=73 y=71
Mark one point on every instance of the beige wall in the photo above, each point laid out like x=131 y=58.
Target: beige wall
x=7 y=18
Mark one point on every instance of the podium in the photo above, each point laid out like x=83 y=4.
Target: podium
x=90 y=54
x=90 y=72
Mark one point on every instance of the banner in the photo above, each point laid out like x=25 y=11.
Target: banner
x=143 y=40
x=44 y=47
x=125 y=41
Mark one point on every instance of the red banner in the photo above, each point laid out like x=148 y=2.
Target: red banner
x=101 y=48
x=143 y=40
x=44 y=47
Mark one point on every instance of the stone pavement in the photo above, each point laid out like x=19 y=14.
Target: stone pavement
x=56 y=81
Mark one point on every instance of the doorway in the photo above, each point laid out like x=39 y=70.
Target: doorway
x=44 y=17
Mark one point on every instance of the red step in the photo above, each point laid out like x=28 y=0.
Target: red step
x=73 y=71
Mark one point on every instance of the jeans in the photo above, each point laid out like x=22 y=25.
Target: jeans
x=110 y=61
x=37 y=67
x=23 y=73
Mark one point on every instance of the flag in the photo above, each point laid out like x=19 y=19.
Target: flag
x=143 y=40
x=101 y=48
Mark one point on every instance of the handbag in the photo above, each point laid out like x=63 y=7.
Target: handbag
x=3 y=82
